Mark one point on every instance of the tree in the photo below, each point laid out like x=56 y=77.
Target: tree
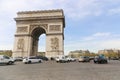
x=7 y=53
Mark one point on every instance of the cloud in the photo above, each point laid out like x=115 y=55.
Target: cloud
x=98 y=35
x=93 y=46
x=6 y=47
x=82 y=9
x=95 y=42
x=111 y=44
x=78 y=9
x=114 y=11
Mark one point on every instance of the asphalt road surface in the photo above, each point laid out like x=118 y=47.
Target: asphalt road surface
x=61 y=71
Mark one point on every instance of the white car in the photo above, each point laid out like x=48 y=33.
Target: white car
x=57 y=59
x=6 y=60
x=61 y=59
x=32 y=59
x=70 y=59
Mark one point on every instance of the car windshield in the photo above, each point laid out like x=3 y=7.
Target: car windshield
x=81 y=56
x=6 y=57
x=103 y=57
x=32 y=57
x=84 y=57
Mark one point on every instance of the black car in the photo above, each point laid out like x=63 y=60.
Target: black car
x=43 y=58
x=100 y=59
x=18 y=58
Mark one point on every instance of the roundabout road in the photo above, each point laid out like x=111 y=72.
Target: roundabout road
x=61 y=71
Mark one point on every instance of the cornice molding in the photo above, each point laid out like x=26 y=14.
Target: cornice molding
x=40 y=11
x=39 y=18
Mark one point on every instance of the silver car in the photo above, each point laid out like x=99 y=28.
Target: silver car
x=84 y=59
x=32 y=59
x=6 y=59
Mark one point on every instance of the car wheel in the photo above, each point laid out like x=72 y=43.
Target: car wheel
x=25 y=62
x=40 y=61
x=100 y=62
x=106 y=62
x=29 y=62
x=10 y=62
x=94 y=61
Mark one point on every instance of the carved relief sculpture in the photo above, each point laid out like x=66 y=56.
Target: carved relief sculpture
x=20 y=44
x=45 y=26
x=55 y=43
x=54 y=28
x=22 y=29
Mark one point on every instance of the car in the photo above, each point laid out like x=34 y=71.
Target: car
x=70 y=59
x=114 y=58
x=84 y=59
x=91 y=58
x=100 y=59
x=43 y=58
x=6 y=60
x=61 y=59
x=32 y=59
x=18 y=58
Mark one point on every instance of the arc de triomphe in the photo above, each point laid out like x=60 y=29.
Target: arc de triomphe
x=31 y=24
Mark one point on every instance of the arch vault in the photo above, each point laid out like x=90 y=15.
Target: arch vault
x=31 y=24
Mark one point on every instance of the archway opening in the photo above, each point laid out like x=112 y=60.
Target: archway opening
x=37 y=34
x=41 y=45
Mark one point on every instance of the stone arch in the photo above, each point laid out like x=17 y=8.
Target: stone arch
x=35 y=33
x=43 y=26
x=31 y=24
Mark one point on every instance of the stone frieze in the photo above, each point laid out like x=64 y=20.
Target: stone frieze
x=22 y=29
x=54 y=28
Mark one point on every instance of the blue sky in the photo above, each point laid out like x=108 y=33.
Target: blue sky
x=90 y=24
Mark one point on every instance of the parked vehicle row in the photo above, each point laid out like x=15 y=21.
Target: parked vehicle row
x=98 y=59
x=64 y=59
x=60 y=59
x=32 y=59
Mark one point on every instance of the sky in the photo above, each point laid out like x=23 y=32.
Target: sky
x=89 y=24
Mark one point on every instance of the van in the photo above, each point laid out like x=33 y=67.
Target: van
x=6 y=59
x=61 y=59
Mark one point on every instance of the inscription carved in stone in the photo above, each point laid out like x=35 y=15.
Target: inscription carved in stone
x=55 y=43
x=54 y=28
x=20 y=44
x=22 y=29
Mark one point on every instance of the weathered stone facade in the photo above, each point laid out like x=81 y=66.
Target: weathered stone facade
x=108 y=51
x=31 y=24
